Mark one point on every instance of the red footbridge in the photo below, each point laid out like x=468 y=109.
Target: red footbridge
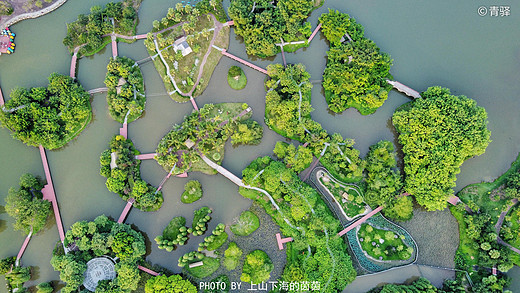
x=126 y=210
x=360 y=221
x=225 y=53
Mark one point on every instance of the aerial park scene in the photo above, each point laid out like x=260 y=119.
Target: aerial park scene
x=241 y=145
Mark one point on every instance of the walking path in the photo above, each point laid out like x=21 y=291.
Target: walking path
x=98 y=90
x=22 y=249
x=498 y=226
x=314 y=33
x=50 y=195
x=360 y=221
x=146 y=270
x=312 y=166
x=404 y=89
x=114 y=46
x=2 y=101
x=280 y=241
x=145 y=156
x=74 y=62
x=225 y=53
x=194 y=104
x=127 y=208
x=124 y=130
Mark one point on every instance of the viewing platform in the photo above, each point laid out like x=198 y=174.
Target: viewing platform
x=280 y=241
x=404 y=89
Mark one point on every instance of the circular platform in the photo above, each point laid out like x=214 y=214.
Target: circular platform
x=98 y=269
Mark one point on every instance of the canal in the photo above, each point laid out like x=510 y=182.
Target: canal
x=441 y=42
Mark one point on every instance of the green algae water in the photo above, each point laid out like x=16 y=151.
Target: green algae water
x=441 y=42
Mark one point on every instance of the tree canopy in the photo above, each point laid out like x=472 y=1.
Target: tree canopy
x=356 y=71
x=27 y=206
x=125 y=84
x=88 y=31
x=263 y=23
x=122 y=170
x=438 y=133
x=49 y=116
x=171 y=284
x=257 y=267
x=101 y=237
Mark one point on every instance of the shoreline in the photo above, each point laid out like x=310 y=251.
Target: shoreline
x=34 y=14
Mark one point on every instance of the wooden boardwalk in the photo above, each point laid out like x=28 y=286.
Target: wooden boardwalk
x=126 y=210
x=145 y=156
x=229 y=23
x=314 y=33
x=312 y=166
x=124 y=130
x=22 y=249
x=280 y=241
x=146 y=270
x=225 y=53
x=74 y=62
x=114 y=46
x=192 y=100
x=139 y=37
x=404 y=89
x=360 y=221
x=2 y=101
x=50 y=195
x=98 y=90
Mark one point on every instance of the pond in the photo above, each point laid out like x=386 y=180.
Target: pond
x=432 y=43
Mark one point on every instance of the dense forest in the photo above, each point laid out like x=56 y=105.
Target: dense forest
x=263 y=23
x=101 y=237
x=300 y=212
x=49 y=116
x=125 y=84
x=27 y=206
x=287 y=112
x=356 y=71
x=206 y=132
x=438 y=133
x=122 y=170
x=91 y=31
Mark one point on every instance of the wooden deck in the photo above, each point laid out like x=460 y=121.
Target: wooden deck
x=50 y=195
x=280 y=241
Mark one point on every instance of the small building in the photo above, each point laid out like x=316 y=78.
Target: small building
x=189 y=143
x=120 y=84
x=181 y=45
x=196 y=264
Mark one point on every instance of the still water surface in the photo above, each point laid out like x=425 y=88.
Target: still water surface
x=432 y=43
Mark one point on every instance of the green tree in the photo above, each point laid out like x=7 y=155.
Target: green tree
x=171 y=284
x=257 y=267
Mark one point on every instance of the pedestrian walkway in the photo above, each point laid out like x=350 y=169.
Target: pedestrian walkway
x=50 y=195
x=124 y=130
x=74 y=62
x=225 y=53
x=22 y=249
x=126 y=210
x=2 y=101
x=114 y=46
x=404 y=89
x=192 y=100
x=146 y=270
x=280 y=241
x=145 y=156
x=314 y=33
x=360 y=221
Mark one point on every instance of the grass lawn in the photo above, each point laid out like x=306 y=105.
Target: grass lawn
x=383 y=244
x=219 y=241
x=237 y=82
x=192 y=192
x=211 y=264
x=171 y=231
x=246 y=224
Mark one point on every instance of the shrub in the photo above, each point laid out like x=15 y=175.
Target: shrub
x=246 y=224
x=192 y=192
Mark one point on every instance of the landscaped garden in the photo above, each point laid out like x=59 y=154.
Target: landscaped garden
x=104 y=240
x=349 y=196
x=192 y=192
x=125 y=84
x=236 y=78
x=206 y=132
x=91 y=32
x=383 y=244
x=122 y=170
x=183 y=41
x=246 y=224
x=49 y=116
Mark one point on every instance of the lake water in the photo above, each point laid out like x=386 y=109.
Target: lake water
x=432 y=43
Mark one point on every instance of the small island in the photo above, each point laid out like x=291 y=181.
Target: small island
x=236 y=78
x=192 y=192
